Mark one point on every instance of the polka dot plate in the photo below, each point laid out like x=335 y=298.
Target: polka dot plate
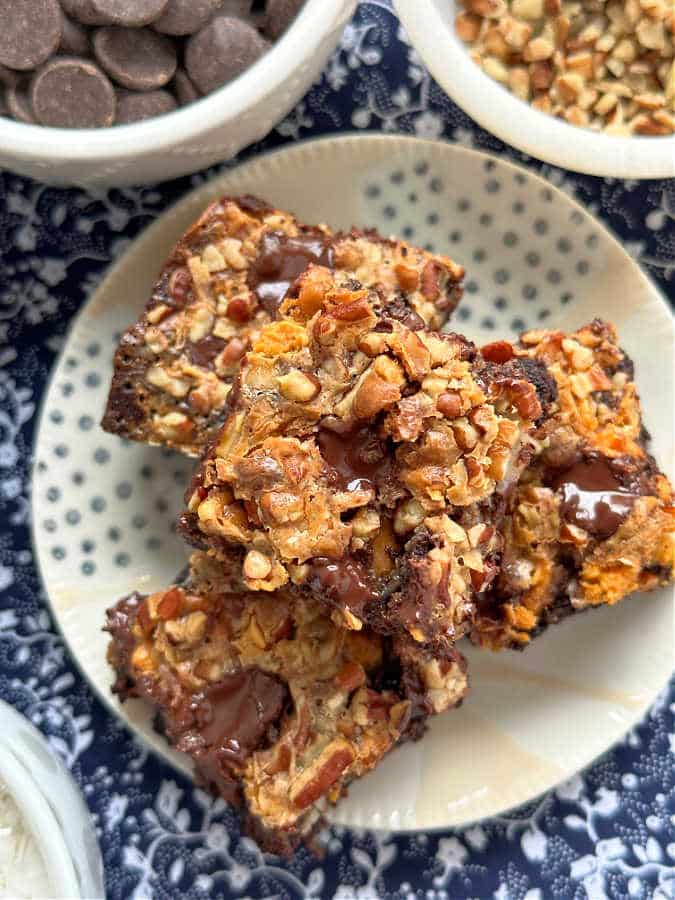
x=104 y=509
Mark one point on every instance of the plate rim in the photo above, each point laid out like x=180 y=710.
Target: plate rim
x=206 y=189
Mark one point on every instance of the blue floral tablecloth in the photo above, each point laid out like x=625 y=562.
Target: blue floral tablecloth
x=607 y=833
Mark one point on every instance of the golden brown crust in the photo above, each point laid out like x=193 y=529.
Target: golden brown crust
x=174 y=368
x=592 y=519
x=279 y=708
x=366 y=461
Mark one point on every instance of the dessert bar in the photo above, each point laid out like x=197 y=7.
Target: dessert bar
x=278 y=708
x=223 y=282
x=592 y=518
x=366 y=460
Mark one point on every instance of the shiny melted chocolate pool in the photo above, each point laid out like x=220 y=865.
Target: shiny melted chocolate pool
x=281 y=259
x=346 y=581
x=236 y=712
x=357 y=458
x=592 y=496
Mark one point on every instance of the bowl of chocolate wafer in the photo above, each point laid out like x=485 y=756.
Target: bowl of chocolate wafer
x=112 y=92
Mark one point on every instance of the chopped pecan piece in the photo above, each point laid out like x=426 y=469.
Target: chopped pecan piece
x=322 y=774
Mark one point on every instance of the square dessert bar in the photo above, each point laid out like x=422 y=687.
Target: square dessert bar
x=278 y=708
x=366 y=459
x=592 y=518
x=222 y=283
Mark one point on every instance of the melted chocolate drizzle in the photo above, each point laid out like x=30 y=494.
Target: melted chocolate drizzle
x=119 y=624
x=347 y=582
x=593 y=497
x=356 y=457
x=281 y=259
x=205 y=351
x=254 y=205
x=235 y=713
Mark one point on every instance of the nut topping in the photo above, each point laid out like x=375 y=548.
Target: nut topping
x=608 y=65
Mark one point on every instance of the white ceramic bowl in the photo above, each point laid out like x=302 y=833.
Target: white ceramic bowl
x=430 y=27
x=208 y=131
x=51 y=807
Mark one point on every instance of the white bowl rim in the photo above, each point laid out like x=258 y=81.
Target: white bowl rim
x=29 y=796
x=41 y=824
x=515 y=122
x=298 y=43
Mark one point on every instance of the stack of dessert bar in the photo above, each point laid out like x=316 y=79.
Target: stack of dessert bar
x=371 y=489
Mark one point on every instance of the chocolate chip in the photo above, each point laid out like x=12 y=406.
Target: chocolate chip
x=185 y=90
x=186 y=16
x=75 y=39
x=83 y=11
x=130 y=13
x=137 y=58
x=280 y=14
x=72 y=93
x=133 y=107
x=31 y=31
x=18 y=102
x=221 y=51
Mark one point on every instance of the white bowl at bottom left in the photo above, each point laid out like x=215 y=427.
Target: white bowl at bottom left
x=51 y=807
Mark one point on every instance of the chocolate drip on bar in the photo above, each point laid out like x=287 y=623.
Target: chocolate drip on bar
x=347 y=581
x=593 y=497
x=281 y=260
x=357 y=457
x=119 y=623
x=204 y=352
x=235 y=713
x=254 y=205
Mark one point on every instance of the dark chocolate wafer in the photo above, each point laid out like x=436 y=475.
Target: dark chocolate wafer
x=31 y=32
x=72 y=93
x=137 y=58
x=222 y=50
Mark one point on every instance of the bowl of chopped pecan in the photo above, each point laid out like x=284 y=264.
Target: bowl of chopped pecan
x=584 y=84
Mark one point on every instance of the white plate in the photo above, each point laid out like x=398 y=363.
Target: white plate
x=103 y=509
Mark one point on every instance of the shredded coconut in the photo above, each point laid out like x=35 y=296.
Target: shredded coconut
x=22 y=869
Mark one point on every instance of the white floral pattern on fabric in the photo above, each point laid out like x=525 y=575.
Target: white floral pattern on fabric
x=607 y=833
